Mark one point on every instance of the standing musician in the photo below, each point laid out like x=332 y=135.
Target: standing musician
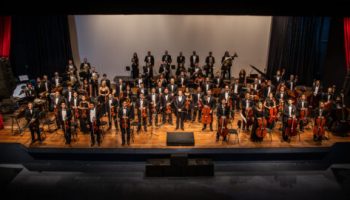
x=179 y=105
x=172 y=87
x=103 y=93
x=320 y=116
x=209 y=101
x=180 y=64
x=148 y=69
x=135 y=66
x=226 y=62
x=182 y=80
x=271 y=108
x=277 y=79
x=167 y=60
x=142 y=90
x=281 y=96
x=162 y=80
x=247 y=111
x=228 y=99
x=259 y=128
x=56 y=101
x=242 y=76
x=74 y=106
x=112 y=109
x=166 y=106
x=302 y=108
x=125 y=115
x=289 y=113
x=85 y=88
x=69 y=95
x=154 y=105
x=142 y=112
x=83 y=113
x=119 y=87
x=222 y=114
x=56 y=80
x=94 y=83
x=71 y=68
x=85 y=70
x=218 y=81
x=194 y=61
x=236 y=93
x=65 y=117
x=188 y=104
x=94 y=124
x=269 y=89
x=197 y=99
x=160 y=88
x=207 y=85
x=209 y=68
x=32 y=117
x=316 y=93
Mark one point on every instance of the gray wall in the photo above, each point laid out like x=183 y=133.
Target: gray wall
x=108 y=41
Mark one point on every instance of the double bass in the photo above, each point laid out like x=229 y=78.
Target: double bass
x=320 y=122
x=261 y=130
x=291 y=129
x=222 y=127
x=273 y=114
x=206 y=115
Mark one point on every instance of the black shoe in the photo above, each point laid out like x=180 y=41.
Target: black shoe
x=176 y=129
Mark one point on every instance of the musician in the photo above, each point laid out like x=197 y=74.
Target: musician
x=135 y=66
x=65 y=117
x=125 y=115
x=271 y=108
x=291 y=83
x=56 y=101
x=71 y=68
x=259 y=114
x=320 y=112
x=256 y=85
x=209 y=69
x=269 y=89
x=32 y=117
x=328 y=97
x=236 y=93
x=281 y=95
x=142 y=112
x=56 y=80
x=180 y=64
x=85 y=67
x=218 y=81
x=108 y=82
x=198 y=104
x=39 y=87
x=182 y=79
x=160 y=88
x=162 y=80
x=277 y=79
x=69 y=94
x=94 y=82
x=188 y=104
x=179 y=104
x=242 y=76
x=74 y=104
x=302 y=105
x=139 y=81
x=83 y=113
x=119 y=87
x=207 y=85
x=226 y=62
x=149 y=60
x=172 y=87
x=247 y=106
x=143 y=90
x=166 y=60
x=223 y=111
x=103 y=93
x=47 y=84
x=94 y=124
x=316 y=93
x=226 y=94
x=166 y=106
x=112 y=108
x=194 y=61
x=164 y=69
x=154 y=105
x=289 y=111
x=30 y=92
x=210 y=102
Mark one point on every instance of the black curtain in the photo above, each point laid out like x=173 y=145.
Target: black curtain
x=298 y=44
x=40 y=45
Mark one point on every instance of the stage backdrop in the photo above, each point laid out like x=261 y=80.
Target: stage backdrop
x=108 y=41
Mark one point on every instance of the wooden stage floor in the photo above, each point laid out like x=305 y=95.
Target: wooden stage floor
x=157 y=138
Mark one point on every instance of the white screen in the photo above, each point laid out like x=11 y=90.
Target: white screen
x=108 y=41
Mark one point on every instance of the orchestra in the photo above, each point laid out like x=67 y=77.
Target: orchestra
x=189 y=95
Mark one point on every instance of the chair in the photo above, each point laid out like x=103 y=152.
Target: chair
x=49 y=121
x=233 y=132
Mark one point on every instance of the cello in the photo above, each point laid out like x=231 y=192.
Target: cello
x=291 y=129
x=261 y=130
x=222 y=127
x=206 y=115
x=320 y=122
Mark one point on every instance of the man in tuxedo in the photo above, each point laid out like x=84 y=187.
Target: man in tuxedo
x=222 y=112
x=166 y=60
x=236 y=93
x=269 y=89
x=194 y=61
x=112 y=106
x=172 y=87
x=198 y=104
x=289 y=111
x=125 y=115
x=142 y=106
x=210 y=102
x=302 y=104
x=94 y=120
x=68 y=95
x=65 y=117
x=182 y=80
x=154 y=105
x=148 y=69
x=56 y=80
x=119 y=87
x=166 y=103
x=84 y=70
x=209 y=69
x=247 y=105
x=218 y=81
x=32 y=117
x=179 y=104
x=207 y=85
x=180 y=64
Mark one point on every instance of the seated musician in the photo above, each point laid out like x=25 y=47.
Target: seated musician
x=166 y=106
x=32 y=116
x=65 y=117
x=94 y=124
x=289 y=111
x=209 y=61
x=94 y=83
x=271 y=108
x=85 y=69
x=302 y=107
x=281 y=95
x=125 y=115
x=207 y=85
x=180 y=64
x=223 y=112
x=86 y=88
x=209 y=101
x=112 y=108
x=328 y=97
x=228 y=98
x=160 y=88
x=142 y=112
x=83 y=114
x=218 y=81
x=198 y=104
x=162 y=80
x=71 y=68
x=256 y=85
x=172 y=87
x=182 y=80
x=320 y=113
x=247 y=111
x=74 y=106
x=39 y=87
x=179 y=104
x=47 y=84
x=277 y=79
x=260 y=115
x=143 y=90
x=316 y=93
x=269 y=89
x=154 y=105
x=30 y=92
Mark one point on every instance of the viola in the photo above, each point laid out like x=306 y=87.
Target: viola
x=261 y=131
x=320 y=122
x=206 y=115
x=222 y=127
x=291 y=129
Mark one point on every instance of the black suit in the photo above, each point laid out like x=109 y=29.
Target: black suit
x=180 y=114
x=172 y=90
x=236 y=94
x=34 y=126
x=180 y=64
x=119 y=88
x=218 y=82
x=211 y=104
x=204 y=87
x=194 y=59
x=222 y=111
x=139 y=113
x=112 y=104
x=195 y=100
x=92 y=132
x=245 y=105
x=165 y=99
x=301 y=105
x=65 y=124
x=150 y=61
x=125 y=131
x=210 y=61
x=266 y=90
x=286 y=116
x=157 y=106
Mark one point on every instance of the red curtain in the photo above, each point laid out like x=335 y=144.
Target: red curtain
x=5 y=36
x=347 y=41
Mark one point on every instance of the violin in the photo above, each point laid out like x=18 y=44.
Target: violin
x=320 y=122
x=206 y=115
x=291 y=129
x=261 y=130
x=222 y=127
